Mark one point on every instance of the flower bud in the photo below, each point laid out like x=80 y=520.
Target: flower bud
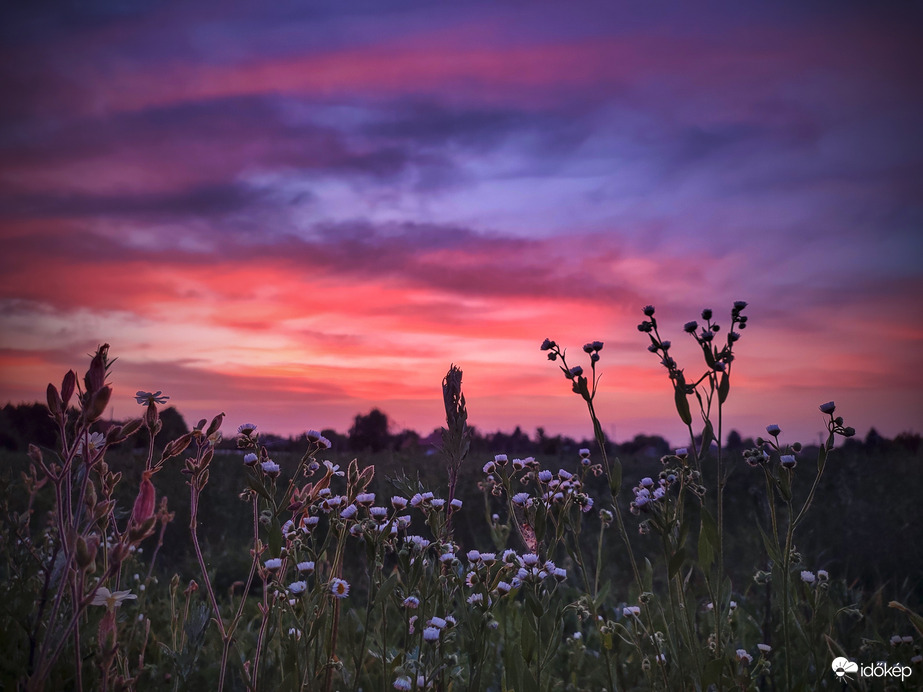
x=98 y=403
x=215 y=425
x=144 y=503
x=67 y=387
x=54 y=401
x=86 y=550
x=151 y=416
x=95 y=377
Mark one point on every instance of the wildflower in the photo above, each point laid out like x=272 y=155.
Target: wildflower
x=456 y=503
x=437 y=503
x=661 y=659
x=503 y=587
x=298 y=587
x=529 y=560
x=250 y=459
x=431 y=634
x=559 y=573
x=896 y=640
x=743 y=656
x=111 y=599
x=148 y=398
x=325 y=443
x=631 y=611
x=349 y=512
x=307 y=566
x=501 y=459
x=447 y=558
x=521 y=499
x=788 y=461
x=544 y=475
x=648 y=310
x=473 y=556
x=270 y=468
x=547 y=345
x=333 y=469
x=509 y=556
x=475 y=598
x=398 y=502
x=773 y=430
x=823 y=574
x=379 y=514
x=488 y=558
x=437 y=622
x=246 y=429
x=575 y=371
x=365 y=498
x=765 y=648
x=313 y=435
x=403 y=683
x=339 y=587
x=95 y=443
x=411 y=602
x=807 y=577
x=739 y=305
x=489 y=467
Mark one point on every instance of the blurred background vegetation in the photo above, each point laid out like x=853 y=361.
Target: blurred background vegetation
x=868 y=508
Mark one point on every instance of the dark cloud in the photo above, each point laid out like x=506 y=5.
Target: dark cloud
x=205 y=200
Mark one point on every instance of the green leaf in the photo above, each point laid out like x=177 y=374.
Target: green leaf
x=385 y=590
x=258 y=487
x=676 y=562
x=682 y=405
x=275 y=538
x=528 y=639
x=540 y=523
x=615 y=479
x=771 y=548
x=712 y=674
x=534 y=604
x=724 y=388
x=648 y=577
x=708 y=540
x=915 y=619
x=708 y=434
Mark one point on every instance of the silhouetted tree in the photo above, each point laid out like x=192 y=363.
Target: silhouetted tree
x=370 y=432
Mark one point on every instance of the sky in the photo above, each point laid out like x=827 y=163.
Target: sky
x=296 y=212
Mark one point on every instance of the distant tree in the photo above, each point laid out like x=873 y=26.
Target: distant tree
x=370 y=432
x=26 y=424
x=734 y=440
x=908 y=441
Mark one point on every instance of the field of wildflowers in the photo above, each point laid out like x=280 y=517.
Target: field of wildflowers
x=491 y=573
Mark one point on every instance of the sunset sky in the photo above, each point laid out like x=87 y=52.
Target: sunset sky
x=294 y=212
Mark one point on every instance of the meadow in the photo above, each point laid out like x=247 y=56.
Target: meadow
x=212 y=558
